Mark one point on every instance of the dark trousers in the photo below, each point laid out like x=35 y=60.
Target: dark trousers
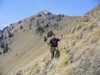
x=55 y=52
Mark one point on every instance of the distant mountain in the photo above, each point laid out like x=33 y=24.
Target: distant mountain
x=43 y=22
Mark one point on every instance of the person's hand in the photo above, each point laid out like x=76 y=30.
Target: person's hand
x=61 y=37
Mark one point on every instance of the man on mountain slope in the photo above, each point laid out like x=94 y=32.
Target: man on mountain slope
x=53 y=43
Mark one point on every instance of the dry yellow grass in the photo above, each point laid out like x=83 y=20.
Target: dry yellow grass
x=72 y=48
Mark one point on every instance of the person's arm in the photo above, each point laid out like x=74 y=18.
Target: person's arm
x=60 y=38
x=57 y=39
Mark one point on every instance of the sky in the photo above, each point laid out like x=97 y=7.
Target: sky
x=12 y=11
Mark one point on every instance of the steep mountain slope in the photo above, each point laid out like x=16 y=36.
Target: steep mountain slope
x=27 y=43
x=79 y=49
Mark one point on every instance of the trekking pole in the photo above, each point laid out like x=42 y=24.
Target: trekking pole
x=63 y=41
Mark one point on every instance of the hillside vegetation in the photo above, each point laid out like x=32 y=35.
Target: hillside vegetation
x=79 y=48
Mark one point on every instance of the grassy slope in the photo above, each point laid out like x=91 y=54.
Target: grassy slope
x=79 y=52
x=25 y=47
x=79 y=42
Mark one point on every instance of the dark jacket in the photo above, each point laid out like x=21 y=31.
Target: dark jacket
x=54 y=42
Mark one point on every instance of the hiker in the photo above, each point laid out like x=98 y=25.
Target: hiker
x=53 y=43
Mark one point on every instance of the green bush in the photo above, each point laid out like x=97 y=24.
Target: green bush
x=19 y=22
x=45 y=39
x=21 y=27
x=49 y=34
x=10 y=35
x=2 y=45
x=40 y=29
